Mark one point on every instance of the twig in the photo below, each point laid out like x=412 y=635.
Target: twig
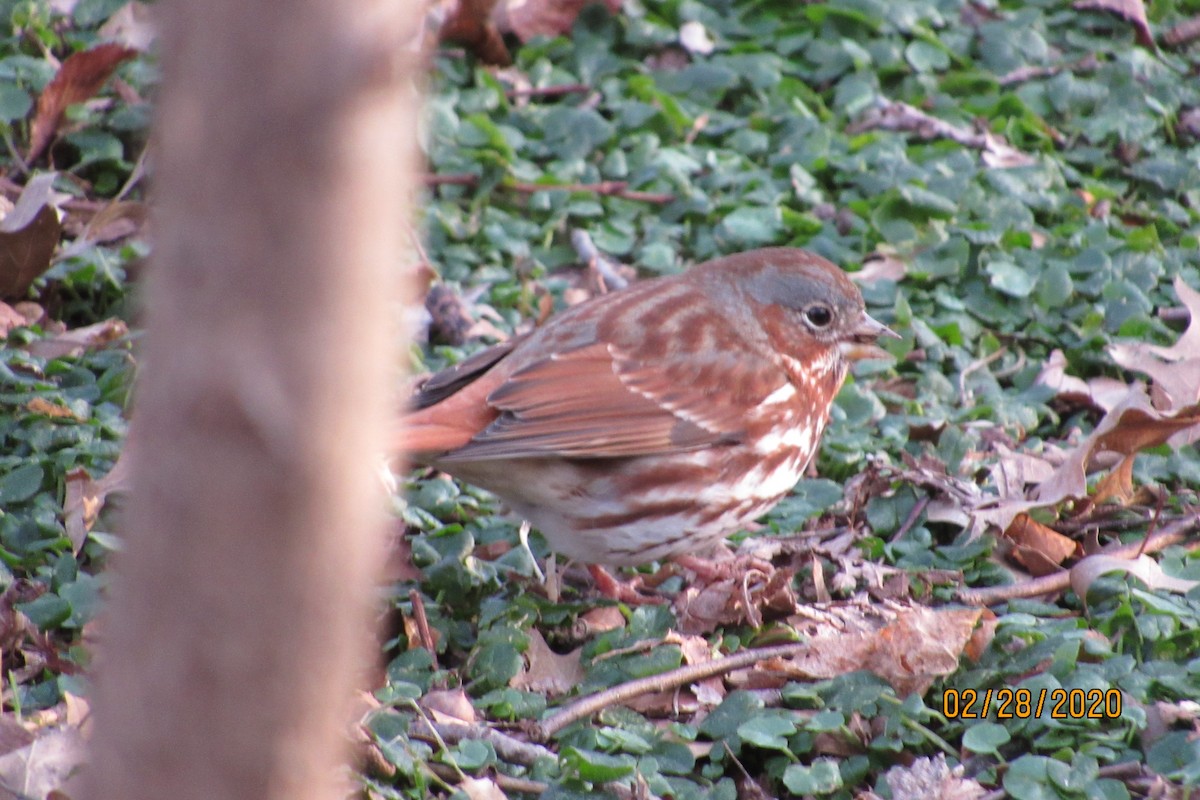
x=605 y=270
x=548 y=91
x=1183 y=33
x=911 y=519
x=418 y=607
x=612 y=188
x=655 y=683
x=1104 y=519
x=136 y=174
x=975 y=366
x=1088 y=63
x=1175 y=314
x=502 y=781
x=18 y=161
x=1154 y=521
x=1175 y=532
x=438 y=739
x=902 y=117
x=508 y=748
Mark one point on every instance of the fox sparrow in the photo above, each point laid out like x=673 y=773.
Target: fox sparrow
x=652 y=421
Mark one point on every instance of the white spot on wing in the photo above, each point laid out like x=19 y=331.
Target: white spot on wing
x=783 y=394
x=798 y=437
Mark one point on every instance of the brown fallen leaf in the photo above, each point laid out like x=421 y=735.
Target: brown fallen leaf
x=78 y=78
x=1132 y=426
x=28 y=236
x=598 y=620
x=1014 y=470
x=1132 y=11
x=909 y=652
x=13 y=317
x=1175 y=370
x=546 y=671
x=451 y=704
x=85 y=498
x=531 y=18
x=1144 y=568
x=470 y=23
x=78 y=340
x=109 y=222
x=48 y=408
x=13 y=735
x=131 y=26
x=1041 y=549
x=80 y=506
x=1102 y=393
x=982 y=636
x=709 y=692
x=748 y=598
x=881 y=265
x=51 y=763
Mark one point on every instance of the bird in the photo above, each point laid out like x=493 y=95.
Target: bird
x=651 y=422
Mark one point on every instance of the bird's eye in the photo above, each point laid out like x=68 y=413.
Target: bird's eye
x=819 y=316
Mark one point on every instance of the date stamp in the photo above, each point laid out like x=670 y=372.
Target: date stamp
x=1009 y=703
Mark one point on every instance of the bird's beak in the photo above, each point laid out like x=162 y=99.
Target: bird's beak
x=860 y=344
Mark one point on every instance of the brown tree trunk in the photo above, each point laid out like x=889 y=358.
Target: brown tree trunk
x=238 y=617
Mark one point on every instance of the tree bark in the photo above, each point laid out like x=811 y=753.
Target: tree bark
x=238 y=618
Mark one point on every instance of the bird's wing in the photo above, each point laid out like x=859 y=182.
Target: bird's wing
x=452 y=379
x=598 y=401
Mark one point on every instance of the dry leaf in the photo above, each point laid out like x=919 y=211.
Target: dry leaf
x=13 y=735
x=80 y=507
x=696 y=650
x=1144 y=568
x=1041 y=549
x=86 y=497
x=471 y=23
x=548 y=672
x=48 y=408
x=119 y=219
x=130 y=26
x=880 y=266
x=28 y=236
x=749 y=597
x=1132 y=426
x=481 y=789
x=932 y=779
x=1102 y=393
x=19 y=315
x=532 y=18
x=598 y=620
x=45 y=765
x=1175 y=370
x=982 y=636
x=909 y=652
x=452 y=704
x=1132 y=11
x=76 y=341
x=1013 y=471
x=79 y=712
x=78 y=79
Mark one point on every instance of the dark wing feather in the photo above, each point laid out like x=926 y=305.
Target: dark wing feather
x=450 y=380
